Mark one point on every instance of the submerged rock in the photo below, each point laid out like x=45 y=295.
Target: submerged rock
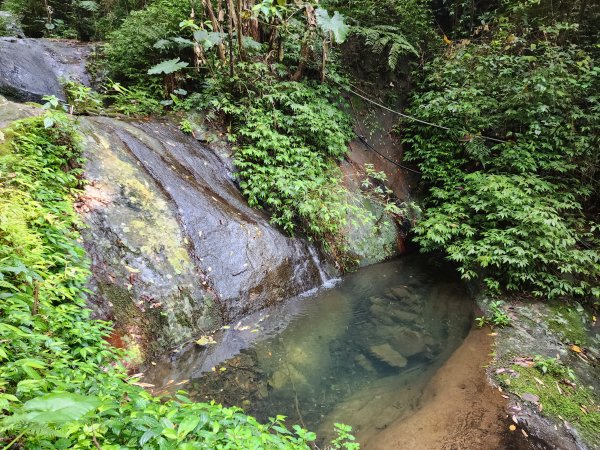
x=386 y=353
x=33 y=68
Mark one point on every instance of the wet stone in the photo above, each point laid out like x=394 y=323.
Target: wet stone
x=387 y=354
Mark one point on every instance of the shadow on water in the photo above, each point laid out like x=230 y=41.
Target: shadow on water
x=359 y=352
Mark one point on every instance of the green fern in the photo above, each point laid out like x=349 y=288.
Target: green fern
x=386 y=39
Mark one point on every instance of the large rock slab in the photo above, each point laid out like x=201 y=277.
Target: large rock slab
x=175 y=248
x=32 y=68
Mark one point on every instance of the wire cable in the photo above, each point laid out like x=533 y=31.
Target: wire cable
x=415 y=119
x=369 y=146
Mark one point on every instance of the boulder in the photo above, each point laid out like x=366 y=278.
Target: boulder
x=33 y=68
x=175 y=248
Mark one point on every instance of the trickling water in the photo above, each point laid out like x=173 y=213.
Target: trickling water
x=359 y=353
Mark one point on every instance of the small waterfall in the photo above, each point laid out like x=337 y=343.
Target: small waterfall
x=326 y=280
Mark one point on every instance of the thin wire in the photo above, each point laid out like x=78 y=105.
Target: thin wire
x=364 y=141
x=414 y=119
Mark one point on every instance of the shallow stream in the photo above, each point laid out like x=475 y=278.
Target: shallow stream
x=360 y=352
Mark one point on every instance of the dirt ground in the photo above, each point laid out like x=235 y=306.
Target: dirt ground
x=459 y=411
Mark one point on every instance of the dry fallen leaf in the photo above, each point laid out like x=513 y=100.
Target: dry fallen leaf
x=144 y=385
x=530 y=397
x=575 y=348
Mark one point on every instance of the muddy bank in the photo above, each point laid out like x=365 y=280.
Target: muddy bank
x=459 y=409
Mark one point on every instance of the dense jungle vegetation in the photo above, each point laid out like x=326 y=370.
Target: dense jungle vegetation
x=506 y=94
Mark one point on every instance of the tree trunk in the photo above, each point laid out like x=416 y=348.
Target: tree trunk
x=230 y=14
x=324 y=59
x=216 y=27
x=305 y=50
x=253 y=25
x=240 y=30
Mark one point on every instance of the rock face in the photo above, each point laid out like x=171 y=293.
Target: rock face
x=549 y=330
x=171 y=236
x=9 y=25
x=10 y=111
x=32 y=68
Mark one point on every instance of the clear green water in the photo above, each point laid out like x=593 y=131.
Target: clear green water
x=359 y=353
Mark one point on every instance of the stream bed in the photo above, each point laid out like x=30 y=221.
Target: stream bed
x=359 y=351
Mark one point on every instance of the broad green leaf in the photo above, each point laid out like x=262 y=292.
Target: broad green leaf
x=59 y=408
x=167 y=67
x=187 y=425
x=334 y=25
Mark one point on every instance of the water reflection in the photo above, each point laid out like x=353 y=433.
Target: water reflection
x=359 y=353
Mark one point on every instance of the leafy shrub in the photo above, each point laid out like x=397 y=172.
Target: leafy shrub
x=512 y=208
x=289 y=136
x=61 y=384
x=131 y=49
x=81 y=19
x=496 y=317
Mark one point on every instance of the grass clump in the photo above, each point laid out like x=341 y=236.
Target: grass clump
x=61 y=384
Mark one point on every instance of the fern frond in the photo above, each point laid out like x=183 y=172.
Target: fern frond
x=386 y=37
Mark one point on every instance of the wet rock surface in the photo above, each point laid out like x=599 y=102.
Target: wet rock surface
x=542 y=331
x=175 y=249
x=32 y=68
x=10 y=111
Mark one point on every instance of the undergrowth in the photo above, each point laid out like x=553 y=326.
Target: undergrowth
x=511 y=183
x=289 y=136
x=61 y=384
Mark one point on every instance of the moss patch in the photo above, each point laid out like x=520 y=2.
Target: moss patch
x=576 y=404
x=569 y=323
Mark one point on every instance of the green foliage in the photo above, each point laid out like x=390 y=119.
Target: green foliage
x=83 y=99
x=512 y=209
x=61 y=384
x=408 y=21
x=496 y=315
x=386 y=39
x=131 y=50
x=4 y=27
x=81 y=19
x=289 y=135
x=334 y=25
x=553 y=367
x=344 y=439
x=167 y=67
x=374 y=185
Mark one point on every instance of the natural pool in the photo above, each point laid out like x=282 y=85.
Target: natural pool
x=360 y=352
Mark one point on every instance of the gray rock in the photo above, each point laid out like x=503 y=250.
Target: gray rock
x=387 y=354
x=175 y=247
x=32 y=68
x=9 y=25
